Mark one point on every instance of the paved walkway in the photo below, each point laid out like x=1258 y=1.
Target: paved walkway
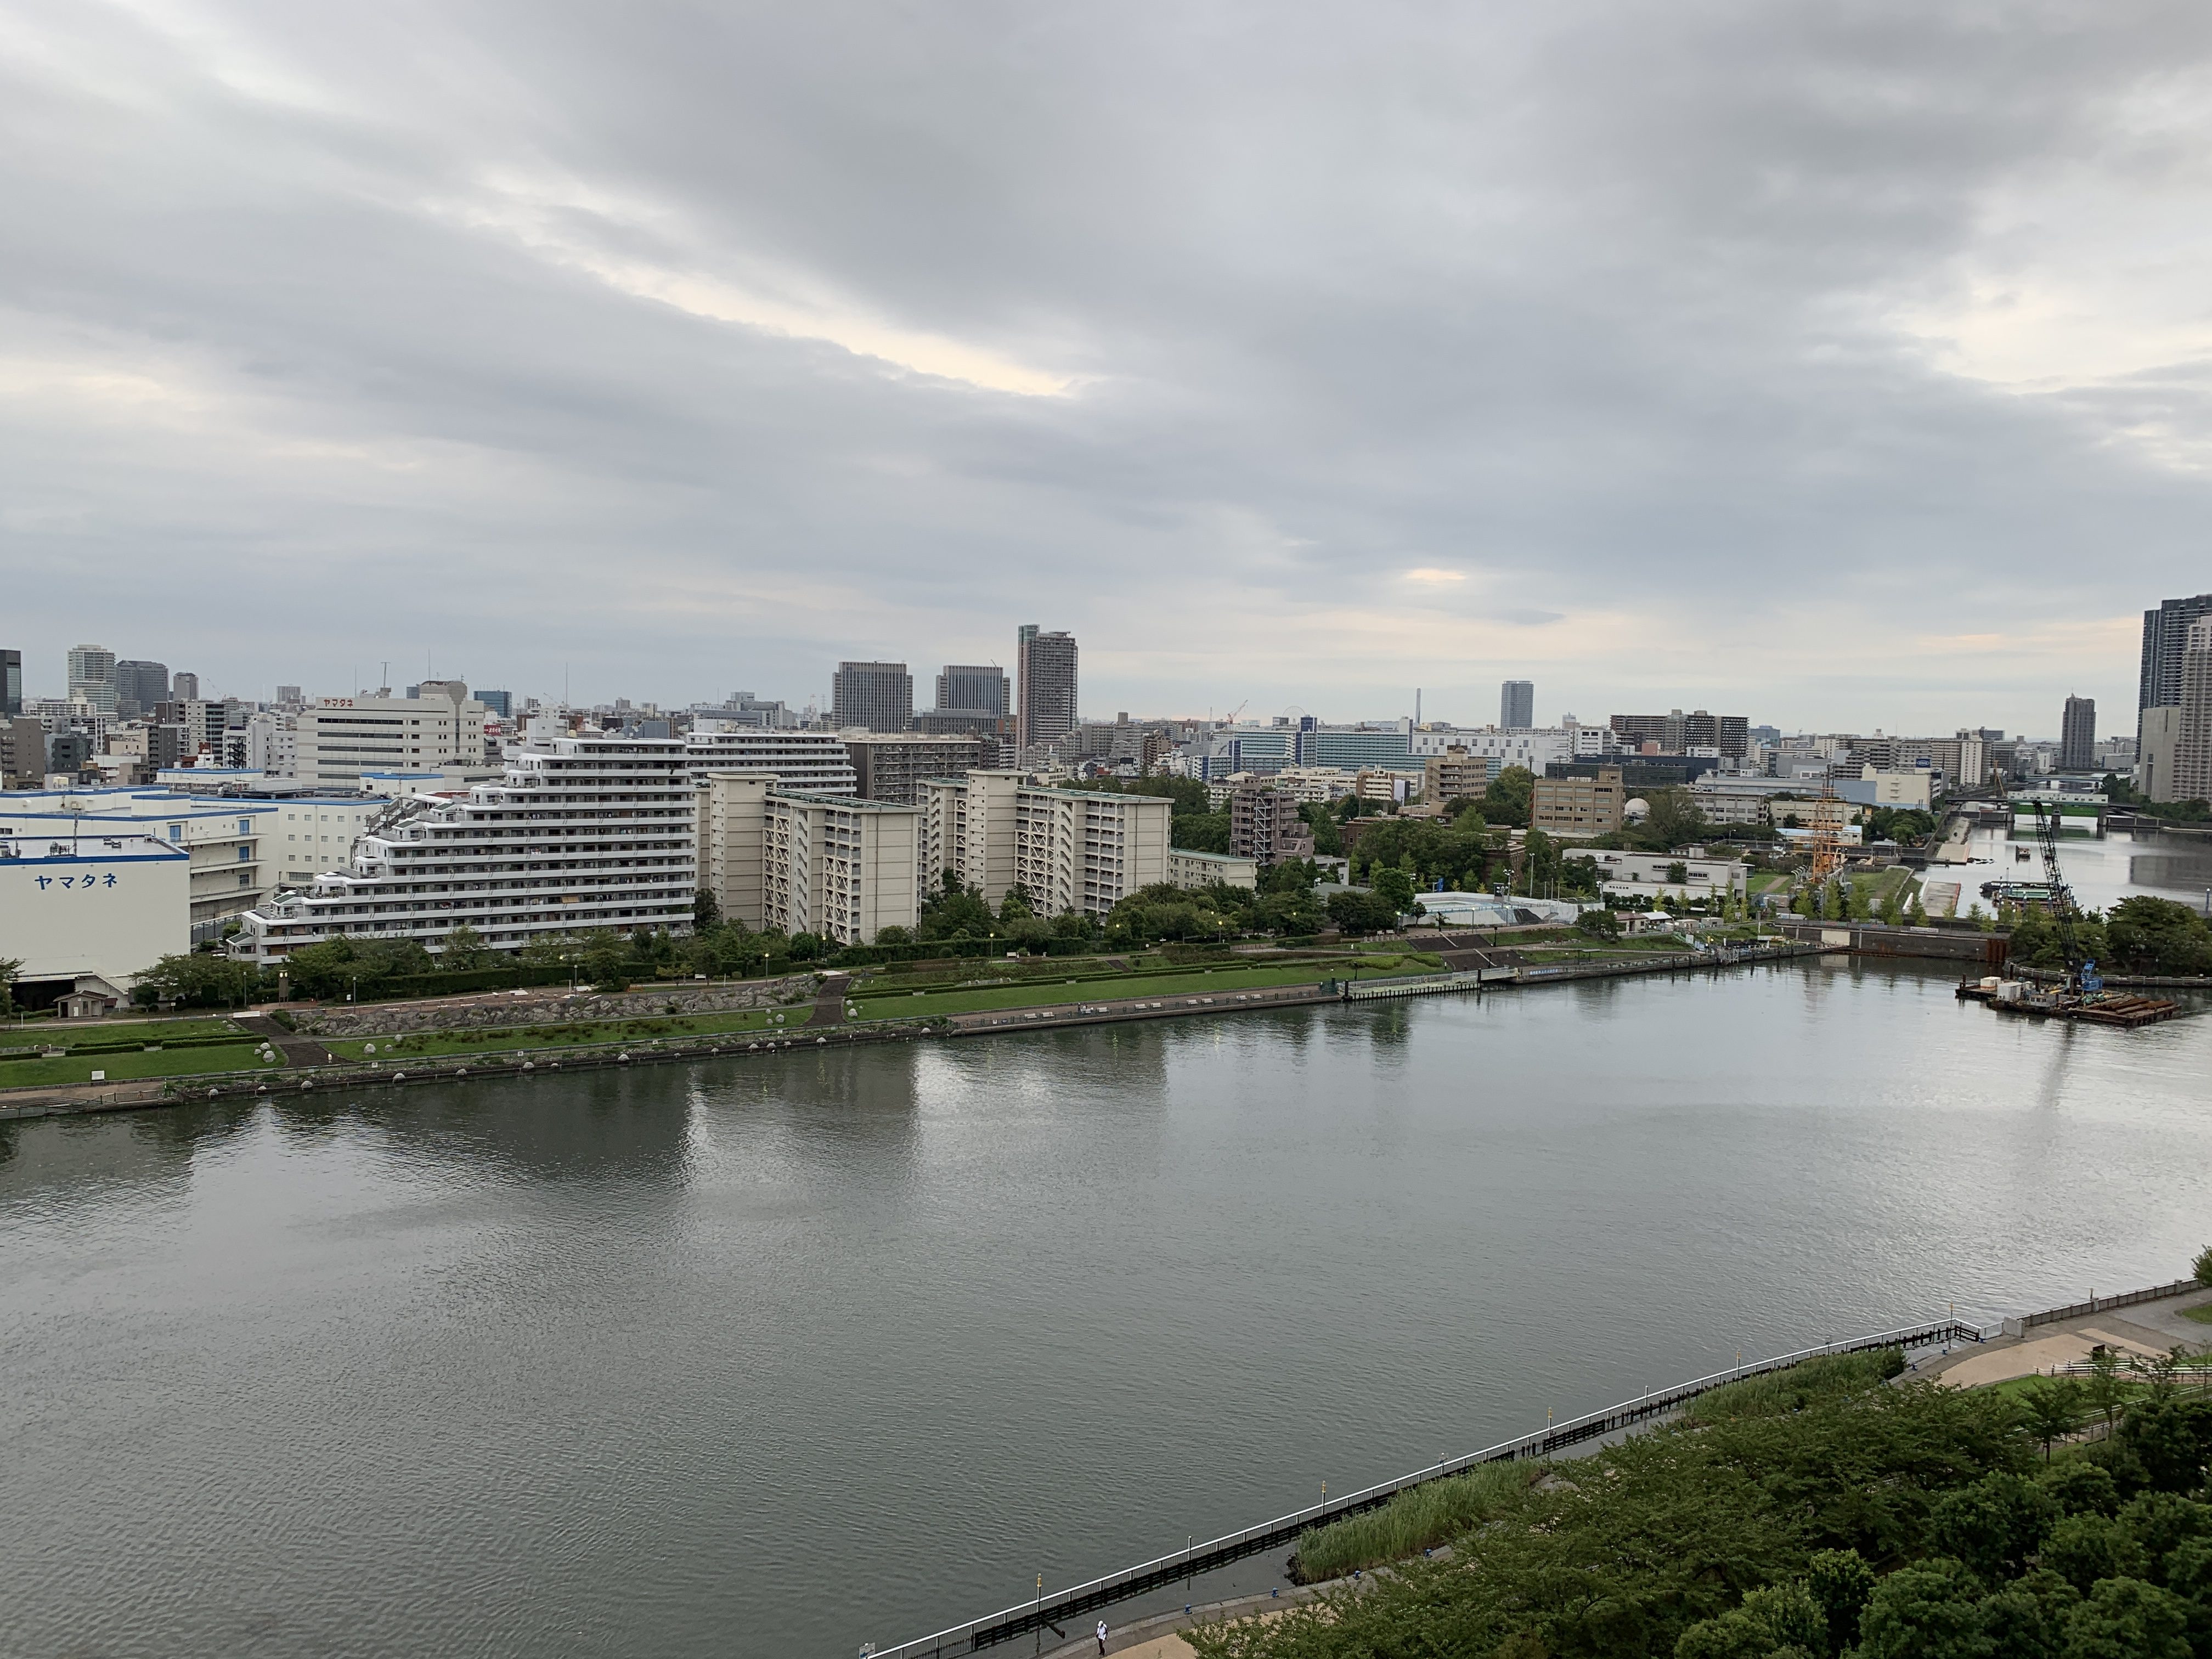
x=2147 y=1330
x=830 y=1000
x=297 y=1050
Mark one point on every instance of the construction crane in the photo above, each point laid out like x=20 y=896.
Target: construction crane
x=2081 y=976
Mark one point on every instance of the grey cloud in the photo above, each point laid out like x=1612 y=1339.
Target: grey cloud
x=1593 y=303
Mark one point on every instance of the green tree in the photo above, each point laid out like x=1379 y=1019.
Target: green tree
x=2084 y=1548
x=198 y=981
x=1356 y=912
x=548 y=950
x=2082 y=1488
x=2202 y=1268
x=1675 y=819
x=1017 y=905
x=2127 y=1618
x=2149 y=935
x=1840 y=1580
x=1199 y=832
x=1395 y=887
x=1598 y=923
x=2053 y=1409
x=1994 y=1525
x=1506 y=799
x=2107 y=1383
x=705 y=909
x=1927 y=1610
x=462 y=949
x=9 y=966
x=1893 y=906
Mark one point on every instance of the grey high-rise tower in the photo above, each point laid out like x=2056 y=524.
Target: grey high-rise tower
x=969 y=689
x=1516 y=705
x=2165 y=636
x=877 y=696
x=1044 y=699
x=11 y=685
x=139 y=686
x=2077 y=735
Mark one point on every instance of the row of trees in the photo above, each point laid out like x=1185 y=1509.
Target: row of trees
x=2139 y=935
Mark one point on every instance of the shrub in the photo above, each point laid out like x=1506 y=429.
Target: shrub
x=1418 y=1519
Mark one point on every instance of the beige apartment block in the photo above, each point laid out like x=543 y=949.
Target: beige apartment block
x=1454 y=774
x=1189 y=869
x=1072 y=850
x=833 y=866
x=1578 y=806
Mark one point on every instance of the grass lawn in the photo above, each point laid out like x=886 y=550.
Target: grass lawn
x=2202 y=1315
x=124 y=1068
x=67 y=1034
x=1177 y=986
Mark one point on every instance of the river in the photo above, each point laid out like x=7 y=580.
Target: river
x=782 y=1354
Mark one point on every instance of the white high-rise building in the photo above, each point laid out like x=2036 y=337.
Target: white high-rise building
x=814 y=762
x=92 y=676
x=584 y=833
x=341 y=738
x=1072 y=850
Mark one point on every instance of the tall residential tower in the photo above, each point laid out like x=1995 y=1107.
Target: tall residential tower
x=1045 y=695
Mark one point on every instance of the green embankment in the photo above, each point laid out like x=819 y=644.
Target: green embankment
x=430 y=1045
x=1817 y=1512
x=885 y=1003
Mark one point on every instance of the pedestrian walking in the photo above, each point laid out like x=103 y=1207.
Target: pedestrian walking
x=1102 y=1635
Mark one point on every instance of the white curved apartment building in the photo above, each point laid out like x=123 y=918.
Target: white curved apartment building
x=812 y=763
x=583 y=832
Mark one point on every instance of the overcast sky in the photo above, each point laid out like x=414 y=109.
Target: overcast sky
x=1842 y=365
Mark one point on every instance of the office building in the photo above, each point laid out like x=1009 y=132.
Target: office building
x=86 y=911
x=1073 y=851
x=341 y=738
x=1265 y=827
x=500 y=703
x=871 y=696
x=1578 y=806
x=140 y=687
x=1516 y=705
x=11 y=685
x=1045 y=668
x=890 y=767
x=183 y=688
x=816 y=763
x=974 y=690
x=2077 y=735
x=831 y=866
x=92 y=676
x=2165 y=642
x=581 y=833
x=1534 y=748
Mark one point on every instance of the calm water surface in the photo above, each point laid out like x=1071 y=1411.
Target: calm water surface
x=775 y=1357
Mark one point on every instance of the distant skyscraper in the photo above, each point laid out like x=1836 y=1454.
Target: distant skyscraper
x=2077 y=735
x=92 y=676
x=140 y=685
x=11 y=685
x=2165 y=637
x=1045 y=698
x=877 y=696
x=968 y=688
x=500 y=703
x=1516 y=705
x=183 y=688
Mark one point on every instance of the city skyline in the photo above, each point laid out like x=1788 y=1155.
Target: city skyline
x=1687 y=377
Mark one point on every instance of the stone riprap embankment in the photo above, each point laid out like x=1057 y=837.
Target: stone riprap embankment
x=555 y=1008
